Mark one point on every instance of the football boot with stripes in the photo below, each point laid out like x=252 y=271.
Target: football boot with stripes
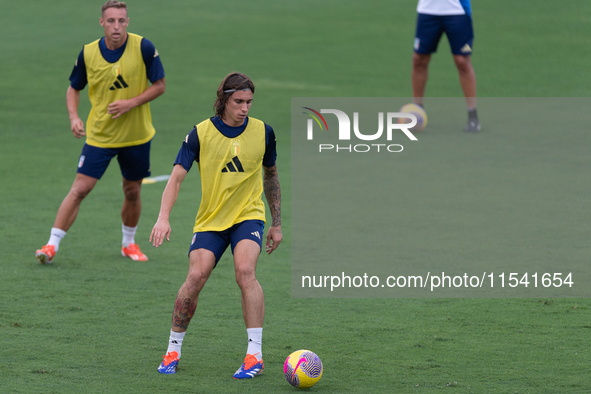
x=170 y=363
x=250 y=368
x=133 y=252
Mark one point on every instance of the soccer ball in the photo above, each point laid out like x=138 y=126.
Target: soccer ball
x=417 y=111
x=302 y=369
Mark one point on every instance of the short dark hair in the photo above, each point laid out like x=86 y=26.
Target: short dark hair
x=231 y=83
x=113 y=4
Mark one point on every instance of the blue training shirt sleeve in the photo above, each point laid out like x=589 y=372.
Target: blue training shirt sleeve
x=189 y=151
x=271 y=147
x=154 y=68
x=78 y=78
x=466 y=6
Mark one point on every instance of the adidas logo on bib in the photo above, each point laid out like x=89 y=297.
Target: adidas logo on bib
x=234 y=166
x=119 y=83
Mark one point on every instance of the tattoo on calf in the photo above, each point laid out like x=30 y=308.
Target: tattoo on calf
x=183 y=312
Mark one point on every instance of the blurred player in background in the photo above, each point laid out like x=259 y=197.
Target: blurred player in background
x=454 y=18
x=118 y=69
x=231 y=150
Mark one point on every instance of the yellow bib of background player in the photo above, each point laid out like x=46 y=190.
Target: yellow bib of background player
x=109 y=82
x=231 y=176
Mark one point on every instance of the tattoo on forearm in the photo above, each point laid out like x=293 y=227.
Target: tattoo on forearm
x=273 y=193
x=183 y=312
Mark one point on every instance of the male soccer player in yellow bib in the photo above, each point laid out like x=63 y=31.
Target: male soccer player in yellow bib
x=118 y=69
x=231 y=150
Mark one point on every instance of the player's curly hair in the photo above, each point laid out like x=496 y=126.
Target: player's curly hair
x=231 y=83
x=113 y=4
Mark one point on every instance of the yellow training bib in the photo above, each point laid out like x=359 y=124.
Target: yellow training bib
x=109 y=82
x=231 y=176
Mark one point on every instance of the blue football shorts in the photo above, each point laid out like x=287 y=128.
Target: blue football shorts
x=457 y=28
x=134 y=161
x=217 y=241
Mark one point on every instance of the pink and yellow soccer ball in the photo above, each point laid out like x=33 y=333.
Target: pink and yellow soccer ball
x=302 y=369
x=417 y=111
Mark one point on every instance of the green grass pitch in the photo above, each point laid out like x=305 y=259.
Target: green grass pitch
x=94 y=322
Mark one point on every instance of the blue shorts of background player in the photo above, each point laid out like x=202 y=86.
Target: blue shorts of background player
x=134 y=161
x=217 y=241
x=457 y=28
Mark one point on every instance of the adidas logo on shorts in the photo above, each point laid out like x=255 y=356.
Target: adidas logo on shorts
x=466 y=49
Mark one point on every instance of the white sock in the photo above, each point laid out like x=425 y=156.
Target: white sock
x=128 y=235
x=175 y=342
x=255 y=342
x=56 y=237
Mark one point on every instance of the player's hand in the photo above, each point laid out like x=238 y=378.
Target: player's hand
x=160 y=231
x=274 y=237
x=77 y=127
x=119 y=107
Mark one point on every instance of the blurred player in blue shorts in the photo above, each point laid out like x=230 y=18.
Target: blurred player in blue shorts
x=454 y=18
x=231 y=150
x=124 y=73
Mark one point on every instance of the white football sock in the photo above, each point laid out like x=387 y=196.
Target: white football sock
x=175 y=342
x=56 y=237
x=128 y=235
x=255 y=342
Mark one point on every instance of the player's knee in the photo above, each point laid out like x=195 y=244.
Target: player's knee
x=245 y=275
x=195 y=281
x=80 y=191
x=463 y=64
x=132 y=192
x=420 y=61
